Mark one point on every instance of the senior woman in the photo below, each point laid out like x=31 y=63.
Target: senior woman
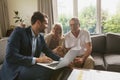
x=55 y=39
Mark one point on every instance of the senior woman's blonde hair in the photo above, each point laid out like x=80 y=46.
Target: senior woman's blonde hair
x=56 y=25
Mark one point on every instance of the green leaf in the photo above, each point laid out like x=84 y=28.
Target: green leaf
x=16 y=21
x=16 y=12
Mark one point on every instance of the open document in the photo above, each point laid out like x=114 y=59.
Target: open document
x=89 y=74
x=68 y=58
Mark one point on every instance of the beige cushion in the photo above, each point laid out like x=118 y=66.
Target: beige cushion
x=3 y=43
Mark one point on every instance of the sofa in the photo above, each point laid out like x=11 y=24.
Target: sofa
x=3 y=43
x=106 y=51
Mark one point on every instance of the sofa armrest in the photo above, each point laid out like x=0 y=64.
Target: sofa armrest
x=3 y=43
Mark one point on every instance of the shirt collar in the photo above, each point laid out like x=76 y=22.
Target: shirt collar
x=33 y=34
x=71 y=34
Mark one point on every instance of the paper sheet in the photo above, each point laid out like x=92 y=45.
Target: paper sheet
x=93 y=75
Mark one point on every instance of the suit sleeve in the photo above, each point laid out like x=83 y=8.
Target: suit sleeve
x=14 y=56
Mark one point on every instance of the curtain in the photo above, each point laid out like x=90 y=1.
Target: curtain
x=46 y=6
x=4 y=18
x=0 y=33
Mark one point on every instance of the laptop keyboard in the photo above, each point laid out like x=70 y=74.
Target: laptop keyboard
x=53 y=65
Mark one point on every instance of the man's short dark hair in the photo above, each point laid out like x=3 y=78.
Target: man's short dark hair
x=38 y=16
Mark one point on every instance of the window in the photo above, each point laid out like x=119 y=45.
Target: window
x=87 y=14
x=97 y=16
x=110 y=14
x=65 y=12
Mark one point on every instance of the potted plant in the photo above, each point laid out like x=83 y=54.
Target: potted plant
x=18 y=19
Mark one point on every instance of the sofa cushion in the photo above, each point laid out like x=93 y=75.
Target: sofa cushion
x=112 y=62
x=0 y=66
x=99 y=61
x=98 y=43
x=3 y=43
x=113 y=43
x=0 y=74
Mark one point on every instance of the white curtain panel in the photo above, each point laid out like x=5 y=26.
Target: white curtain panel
x=46 y=6
x=0 y=32
x=4 y=18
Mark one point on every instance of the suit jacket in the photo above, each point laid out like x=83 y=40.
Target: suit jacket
x=19 y=50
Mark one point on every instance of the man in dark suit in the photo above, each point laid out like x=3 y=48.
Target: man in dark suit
x=23 y=51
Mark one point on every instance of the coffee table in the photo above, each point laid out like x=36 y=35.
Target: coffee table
x=88 y=74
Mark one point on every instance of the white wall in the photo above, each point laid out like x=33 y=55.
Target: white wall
x=25 y=8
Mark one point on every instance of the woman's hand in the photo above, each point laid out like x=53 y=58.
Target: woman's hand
x=59 y=51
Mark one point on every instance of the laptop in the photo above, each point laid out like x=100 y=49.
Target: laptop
x=66 y=60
